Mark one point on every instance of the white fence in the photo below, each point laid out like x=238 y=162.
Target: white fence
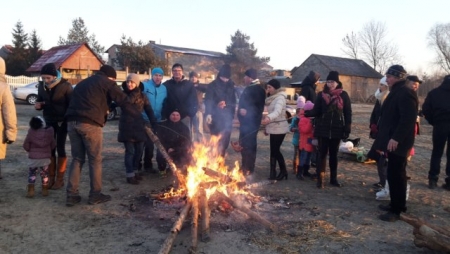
x=19 y=81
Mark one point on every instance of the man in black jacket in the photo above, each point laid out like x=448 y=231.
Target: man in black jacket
x=436 y=110
x=309 y=85
x=86 y=115
x=396 y=138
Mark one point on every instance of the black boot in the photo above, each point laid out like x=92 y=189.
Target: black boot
x=333 y=178
x=300 y=173
x=306 y=171
x=283 y=171
x=273 y=171
x=320 y=180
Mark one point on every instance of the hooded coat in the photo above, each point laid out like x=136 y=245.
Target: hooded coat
x=436 y=107
x=8 y=119
x=276 y=108
x=217 y=91
x=131 y=122
x=308 y=89
x=39 y=143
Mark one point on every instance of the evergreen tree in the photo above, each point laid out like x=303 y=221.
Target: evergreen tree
x=80 y=34
x=17 y=61
x=138 y=57
x=34 y=48
x=241 y=55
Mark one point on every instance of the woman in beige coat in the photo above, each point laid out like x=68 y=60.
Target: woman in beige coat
x=276 y=126
x=8 y=119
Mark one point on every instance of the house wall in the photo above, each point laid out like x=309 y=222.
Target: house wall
x=206 y=66
x=112 y=56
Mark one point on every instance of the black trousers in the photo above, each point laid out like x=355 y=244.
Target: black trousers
x=331 y=146
x=396 y=176
x=60 y=137
x=276 y=140
x=248 y=141
x=441 y=135
x=149 y=150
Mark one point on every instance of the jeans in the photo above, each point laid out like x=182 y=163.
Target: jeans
x=305 y=158
x=133 y=154
x=396 y=176
x=85 y=139
x=441 y=135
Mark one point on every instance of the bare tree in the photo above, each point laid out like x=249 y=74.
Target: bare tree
x=351 y=44
x=439 y=40
x=374 y=46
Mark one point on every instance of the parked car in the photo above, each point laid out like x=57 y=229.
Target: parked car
x=27 y=93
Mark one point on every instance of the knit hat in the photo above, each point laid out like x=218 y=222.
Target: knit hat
x=251 y=73
x=225 y=71
x=2 y=66
x=301 y=101
x=274 y=83
x=49 y=69
x=308 y=106
x=397 y=71
x=414 y=78
x=134 y=77
x=109 y=71
x=333 y=75
x=446 y=80
x=193 y=74
x=157 y=70
x=383 y=81
x=313 y=76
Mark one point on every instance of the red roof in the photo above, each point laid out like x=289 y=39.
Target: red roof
x=57 y=55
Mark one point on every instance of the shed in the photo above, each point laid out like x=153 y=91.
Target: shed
x=75 y=62
x=358 y=78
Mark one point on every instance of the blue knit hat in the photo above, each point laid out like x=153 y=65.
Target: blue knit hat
x=157 y=70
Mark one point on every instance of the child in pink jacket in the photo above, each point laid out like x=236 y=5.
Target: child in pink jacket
x=306 y=130
x=39 y=143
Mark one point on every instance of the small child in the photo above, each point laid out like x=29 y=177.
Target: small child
x=39 y=144
x=306 y=145
x=296 y=135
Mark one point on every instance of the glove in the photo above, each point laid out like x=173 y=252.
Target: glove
x=208 y=119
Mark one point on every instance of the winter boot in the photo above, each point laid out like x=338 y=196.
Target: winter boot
x=273 y=171
x=333 y=178
x=320 y=180
x=44 y=190
x=306 y=171
x=62 y=163
x=300 y=173
x=283 y=171
x=30 y=190
x=51 y=172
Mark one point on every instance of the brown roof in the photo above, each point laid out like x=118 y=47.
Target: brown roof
x=187 y=50
x=348 y=66
x=57 y=55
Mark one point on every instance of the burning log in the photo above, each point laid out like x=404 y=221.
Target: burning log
x=259 y=184
x=167 y=245
x=429 y=236
x=194 y=225
x=249 y=212
x=212 y=173
x=161 y=148
x=206 y=213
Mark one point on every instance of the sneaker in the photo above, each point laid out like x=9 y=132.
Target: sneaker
x=432 y=184
x=389 y=217
x=386 y=208
x=98 y=198
x=73 y=200
x=132 y=180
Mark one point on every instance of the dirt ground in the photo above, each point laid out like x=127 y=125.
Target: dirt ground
x=332 y=220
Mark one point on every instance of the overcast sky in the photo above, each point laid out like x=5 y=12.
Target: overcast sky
x=286 y=31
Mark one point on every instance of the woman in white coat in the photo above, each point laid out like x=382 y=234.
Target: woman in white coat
x=276 y=126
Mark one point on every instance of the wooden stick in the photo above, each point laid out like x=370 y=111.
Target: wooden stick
x=167 y=245
x=223 y=178
x=205 y=216
x=194 y=225
x=161 y=148
x=249 y=212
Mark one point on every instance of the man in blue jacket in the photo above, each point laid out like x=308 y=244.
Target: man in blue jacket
x=156 y=93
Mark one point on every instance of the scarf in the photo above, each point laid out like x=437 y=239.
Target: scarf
x=278 y=92
x=334 y=97
x=381 y=96
x=53 y=84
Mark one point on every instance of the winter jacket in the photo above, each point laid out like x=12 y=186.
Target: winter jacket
x=306 y=130
x=398 y=119
x=276 y=108
x=252 y=99
x=156 y=95
x=56 y=100
x=8 y=119
x=294 y=129
x=308 y=90
x=376 y=112
x=39 y=143
x=436 y=107
x=131 y=122
x=176 y=136
x=331 y=122
x=217 y=91
x=91 y=98
x=181 y=95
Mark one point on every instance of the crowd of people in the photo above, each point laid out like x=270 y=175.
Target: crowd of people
x=176 y=109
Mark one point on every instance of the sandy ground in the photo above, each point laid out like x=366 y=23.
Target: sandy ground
x=333 y=220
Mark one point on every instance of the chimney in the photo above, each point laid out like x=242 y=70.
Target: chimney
x=151 y=42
